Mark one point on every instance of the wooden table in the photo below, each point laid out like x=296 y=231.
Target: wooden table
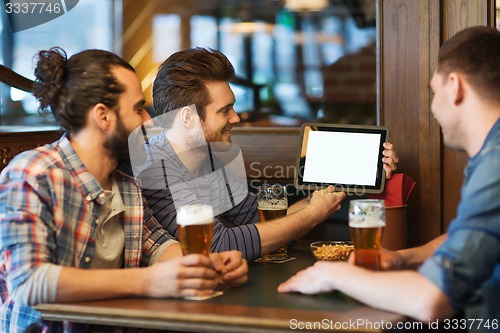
x=255 y=307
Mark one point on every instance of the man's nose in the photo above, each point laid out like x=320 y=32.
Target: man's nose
x=145 y=116
x=234 y=119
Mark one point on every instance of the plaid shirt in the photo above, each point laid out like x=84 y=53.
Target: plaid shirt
x=49 y=204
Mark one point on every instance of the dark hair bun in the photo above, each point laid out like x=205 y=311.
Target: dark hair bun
x=50 y=74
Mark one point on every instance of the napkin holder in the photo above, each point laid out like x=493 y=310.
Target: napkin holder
x=396 y=193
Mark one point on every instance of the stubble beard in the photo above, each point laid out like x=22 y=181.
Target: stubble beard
x=117 y=144
x=216 y=142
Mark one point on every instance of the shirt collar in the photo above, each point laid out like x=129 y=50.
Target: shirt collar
x=492 y=137
x=89 y=185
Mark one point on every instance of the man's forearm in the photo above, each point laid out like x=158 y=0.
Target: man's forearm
x=414 y=257
x=392 y=291
x=301 y=204
x=77 y=284
x=172 y=251
x=276 y=233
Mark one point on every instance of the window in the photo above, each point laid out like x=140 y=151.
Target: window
x=166 y=25
x=287 y=56
x=294 y=64
x=89 y=24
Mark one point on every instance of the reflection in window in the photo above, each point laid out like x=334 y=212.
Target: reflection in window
x=283 y=63
x=232 y=39
x=166 y=25
x=283 y=59
x=334 y=44
x=203 y=31
x=289 y=59
x=313 y=82
x=88 y=25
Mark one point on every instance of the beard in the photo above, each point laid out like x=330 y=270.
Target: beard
x=217 y=140
x=117 y=144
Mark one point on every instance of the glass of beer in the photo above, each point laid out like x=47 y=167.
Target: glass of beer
x=195 y=225
x=366 y=225
x=272 y=204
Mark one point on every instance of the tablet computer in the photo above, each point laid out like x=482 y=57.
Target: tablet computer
x=346 y=156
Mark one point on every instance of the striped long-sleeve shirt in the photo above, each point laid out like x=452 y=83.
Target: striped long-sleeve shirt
x=168 y=184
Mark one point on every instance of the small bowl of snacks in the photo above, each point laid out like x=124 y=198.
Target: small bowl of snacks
x=332 y=250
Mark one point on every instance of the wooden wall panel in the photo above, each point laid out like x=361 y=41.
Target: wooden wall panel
x=406 y=52
x=269 y=153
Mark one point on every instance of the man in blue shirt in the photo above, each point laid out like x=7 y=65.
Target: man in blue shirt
x=459 y=271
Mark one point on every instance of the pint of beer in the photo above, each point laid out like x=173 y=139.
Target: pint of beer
x=272 y=204
x=195 y=225
x=366 y=225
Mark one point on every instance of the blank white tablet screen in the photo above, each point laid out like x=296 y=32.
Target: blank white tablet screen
x=341 y=158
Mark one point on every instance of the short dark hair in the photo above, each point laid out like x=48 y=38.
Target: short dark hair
x=70 y=87
x=182 y=79
x=475 y=52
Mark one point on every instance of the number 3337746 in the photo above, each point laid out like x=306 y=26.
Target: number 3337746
x=32 y=7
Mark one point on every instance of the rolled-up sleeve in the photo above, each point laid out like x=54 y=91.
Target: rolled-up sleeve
x=154 y=236
x=462 y=264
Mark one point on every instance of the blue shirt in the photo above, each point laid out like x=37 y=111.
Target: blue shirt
x=466 y=267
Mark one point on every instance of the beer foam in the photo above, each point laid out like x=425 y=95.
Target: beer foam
x=272 y=204
x=357 y=221
x=196 y=214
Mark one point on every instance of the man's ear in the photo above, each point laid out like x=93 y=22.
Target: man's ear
x=101 y=115
x=187 y=117
x=456 y=82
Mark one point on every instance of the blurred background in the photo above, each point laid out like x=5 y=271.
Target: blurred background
x=296 y=60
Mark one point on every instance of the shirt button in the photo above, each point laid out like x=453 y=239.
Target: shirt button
x=88 y=198
x=97 y=222
x=87 y=260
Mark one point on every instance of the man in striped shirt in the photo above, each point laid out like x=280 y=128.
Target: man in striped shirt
x=191 y=89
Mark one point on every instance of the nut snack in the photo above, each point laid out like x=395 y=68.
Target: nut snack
x=332 y=250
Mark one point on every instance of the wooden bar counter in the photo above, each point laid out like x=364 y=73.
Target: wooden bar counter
x=255 y=307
